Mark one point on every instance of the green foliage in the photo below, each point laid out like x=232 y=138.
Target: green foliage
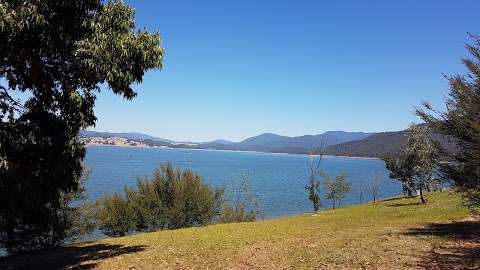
x=416 y=164
x=194 y=203
x=172 y=198
x=243 y=205
x=115 y=215
x=401 y=168
x=461 y=123
x=83 y=220
x=57 y=53
x=73 y=217
x=149 y=203
x=76 y=215
x=233 y=214
x=336 y=187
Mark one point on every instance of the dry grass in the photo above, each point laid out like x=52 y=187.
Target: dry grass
x=393 y=234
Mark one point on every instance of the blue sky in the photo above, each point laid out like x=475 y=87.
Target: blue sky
x=235 y=69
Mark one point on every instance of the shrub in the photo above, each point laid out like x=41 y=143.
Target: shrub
x=194 y=203
x=172 y=198
x=115 y=215
x=242 y=205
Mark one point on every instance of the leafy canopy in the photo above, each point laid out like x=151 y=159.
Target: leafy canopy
x=415 y=165
x=461 y=123
x=336 y=188
x=54 y=57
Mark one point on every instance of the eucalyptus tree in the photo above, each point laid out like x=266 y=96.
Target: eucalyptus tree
x=54 y=57
x=375 y=184
x=416 y=164
x=401 y=168
x=336 y=188
x=422 y=149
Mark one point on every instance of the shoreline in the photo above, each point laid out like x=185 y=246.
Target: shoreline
x=225 y=150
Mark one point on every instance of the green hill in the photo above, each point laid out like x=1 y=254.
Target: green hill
x=392 y=234
x=376 y=146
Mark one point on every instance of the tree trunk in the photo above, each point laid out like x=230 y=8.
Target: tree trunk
x=316 y=205
x=421 y=196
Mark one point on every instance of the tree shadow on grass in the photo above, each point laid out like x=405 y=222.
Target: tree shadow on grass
x=462 y=252
x=404 y=204
x=84 y=257
x=397 y=198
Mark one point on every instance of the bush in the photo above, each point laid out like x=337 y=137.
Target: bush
x=194 y=203
x=75 y=216
x=242 y=205
x=239 y=213
x=115 y=215
x=172 y=198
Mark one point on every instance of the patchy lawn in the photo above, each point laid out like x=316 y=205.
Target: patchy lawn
x=392 y=234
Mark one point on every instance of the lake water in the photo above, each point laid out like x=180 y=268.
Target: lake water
x=278 y=180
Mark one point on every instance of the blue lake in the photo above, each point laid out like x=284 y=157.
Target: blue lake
x=278 y=180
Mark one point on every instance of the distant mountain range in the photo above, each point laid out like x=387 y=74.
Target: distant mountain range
x=339 y=143
x=269 y=142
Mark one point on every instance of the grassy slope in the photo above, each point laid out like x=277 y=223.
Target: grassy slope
x=391 y=234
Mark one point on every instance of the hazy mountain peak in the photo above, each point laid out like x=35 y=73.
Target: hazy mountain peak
x=221 y=141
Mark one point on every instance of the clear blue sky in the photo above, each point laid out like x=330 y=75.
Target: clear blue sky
x=235 y=69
